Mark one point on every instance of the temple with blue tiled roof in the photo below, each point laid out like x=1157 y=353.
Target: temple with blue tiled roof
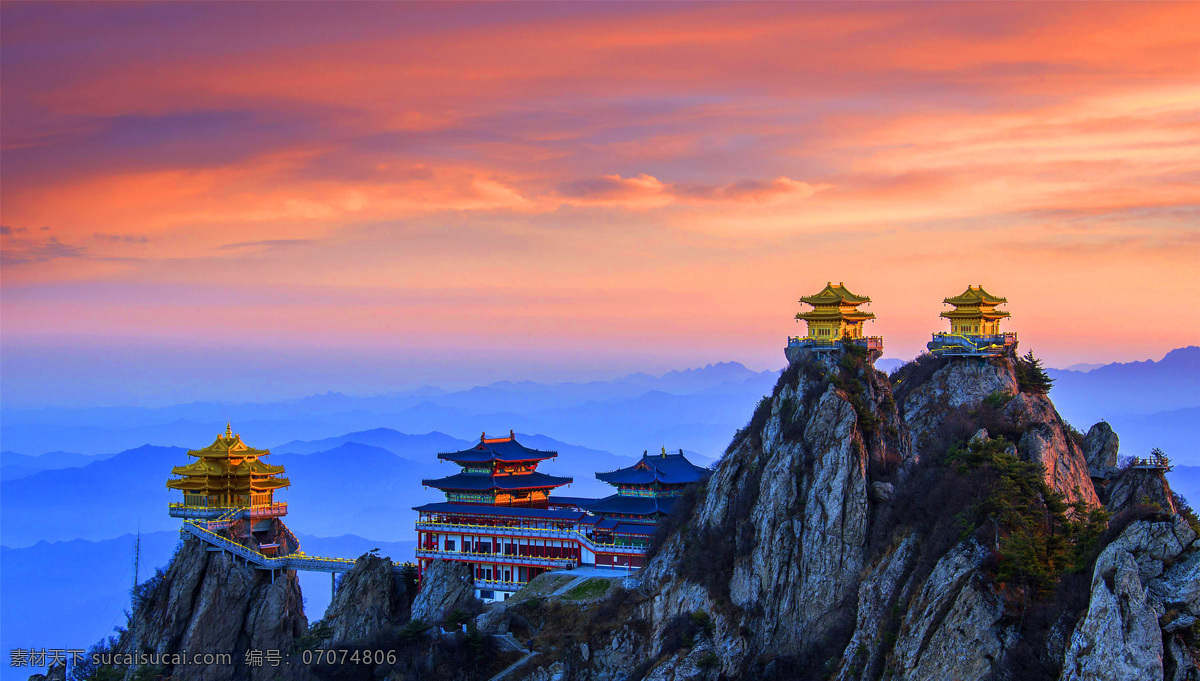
x=498 y=472
x=500 y=520
x=648 y=489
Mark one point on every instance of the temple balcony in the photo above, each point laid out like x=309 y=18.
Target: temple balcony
x=498 y=585
x=798 y=344
x=272 y=510
x=968 y=345
x=213 y=512
x=498 y=558
x=590 y=543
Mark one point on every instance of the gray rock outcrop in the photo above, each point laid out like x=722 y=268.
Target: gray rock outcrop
x=1044 y=436
x=1139 y=486
x=1137 y=580
x=790 y=507
x=955 y=616
x=957 y=383
x=446 y=586
x=214 y=603
x=1100 y=448
x=371 y=598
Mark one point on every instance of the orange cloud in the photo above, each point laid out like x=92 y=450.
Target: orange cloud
x=644 y=191
x=532 y=162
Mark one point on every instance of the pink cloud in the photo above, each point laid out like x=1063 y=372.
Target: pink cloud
x=645 y=191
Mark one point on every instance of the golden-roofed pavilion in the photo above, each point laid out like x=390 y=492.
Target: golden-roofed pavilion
x=228 y=474
x=974 y=326
x=835 y=318
x=975 y=312
x=835 y=313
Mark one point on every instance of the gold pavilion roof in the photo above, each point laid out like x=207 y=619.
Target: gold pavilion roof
x=229 y=445
x=835 y=315
x=228 y=464
x=975 y=303
x=835 y=294
x=975 y=295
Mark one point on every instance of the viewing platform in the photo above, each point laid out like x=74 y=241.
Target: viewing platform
x=798 y=344
x=206 y=512
x=974 y=327
x=968 y=345
x=1156 y=461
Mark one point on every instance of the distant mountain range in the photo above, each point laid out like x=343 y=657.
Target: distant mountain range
x=339 y=485
x=1129 y=388
x=1148 y=403
x=697 y=409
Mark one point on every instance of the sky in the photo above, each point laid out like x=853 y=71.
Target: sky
x=260 y=200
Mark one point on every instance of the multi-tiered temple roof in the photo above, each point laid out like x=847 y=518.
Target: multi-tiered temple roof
x=974 y=326
x=498 y=449
x=498 y=471
x=228 y=473
x=665 y=470
x=835 y=303
x=835 y=318
x=648 y=489
x=975 y=311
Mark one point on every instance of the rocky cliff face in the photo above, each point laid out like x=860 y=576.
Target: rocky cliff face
x=803 y=559
x=786 y=516
x=448 y=586
x=1139 y=486
x=371 y=599
x=212 y=602
x=1145 y=588
x=965 y=385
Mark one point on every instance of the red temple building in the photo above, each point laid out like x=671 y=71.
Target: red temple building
x=499 y=515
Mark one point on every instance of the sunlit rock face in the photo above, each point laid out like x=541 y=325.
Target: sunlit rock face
x=1039 y=431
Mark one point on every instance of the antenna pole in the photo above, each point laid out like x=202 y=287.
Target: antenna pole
x=137 y=555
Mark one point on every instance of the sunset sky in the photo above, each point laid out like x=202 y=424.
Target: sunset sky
x=250 y=201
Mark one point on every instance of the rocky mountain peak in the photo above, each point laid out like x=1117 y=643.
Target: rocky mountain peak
x=938 y=525
x=943 y=397
x=372 y=597
x=213 y=602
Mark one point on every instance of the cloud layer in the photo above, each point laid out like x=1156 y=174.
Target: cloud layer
x=655 y=174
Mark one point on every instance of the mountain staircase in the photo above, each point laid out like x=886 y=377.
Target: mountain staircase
x=205 y=531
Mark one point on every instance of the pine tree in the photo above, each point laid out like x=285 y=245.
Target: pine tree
x=1031 y=376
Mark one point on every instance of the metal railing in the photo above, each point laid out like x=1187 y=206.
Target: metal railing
x=498 y=585
x=186 y=510
x=568 y=535
x=971 y=345
x=499 y=558
x=1156 y=460
x=869 y=342
x=293 y=561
